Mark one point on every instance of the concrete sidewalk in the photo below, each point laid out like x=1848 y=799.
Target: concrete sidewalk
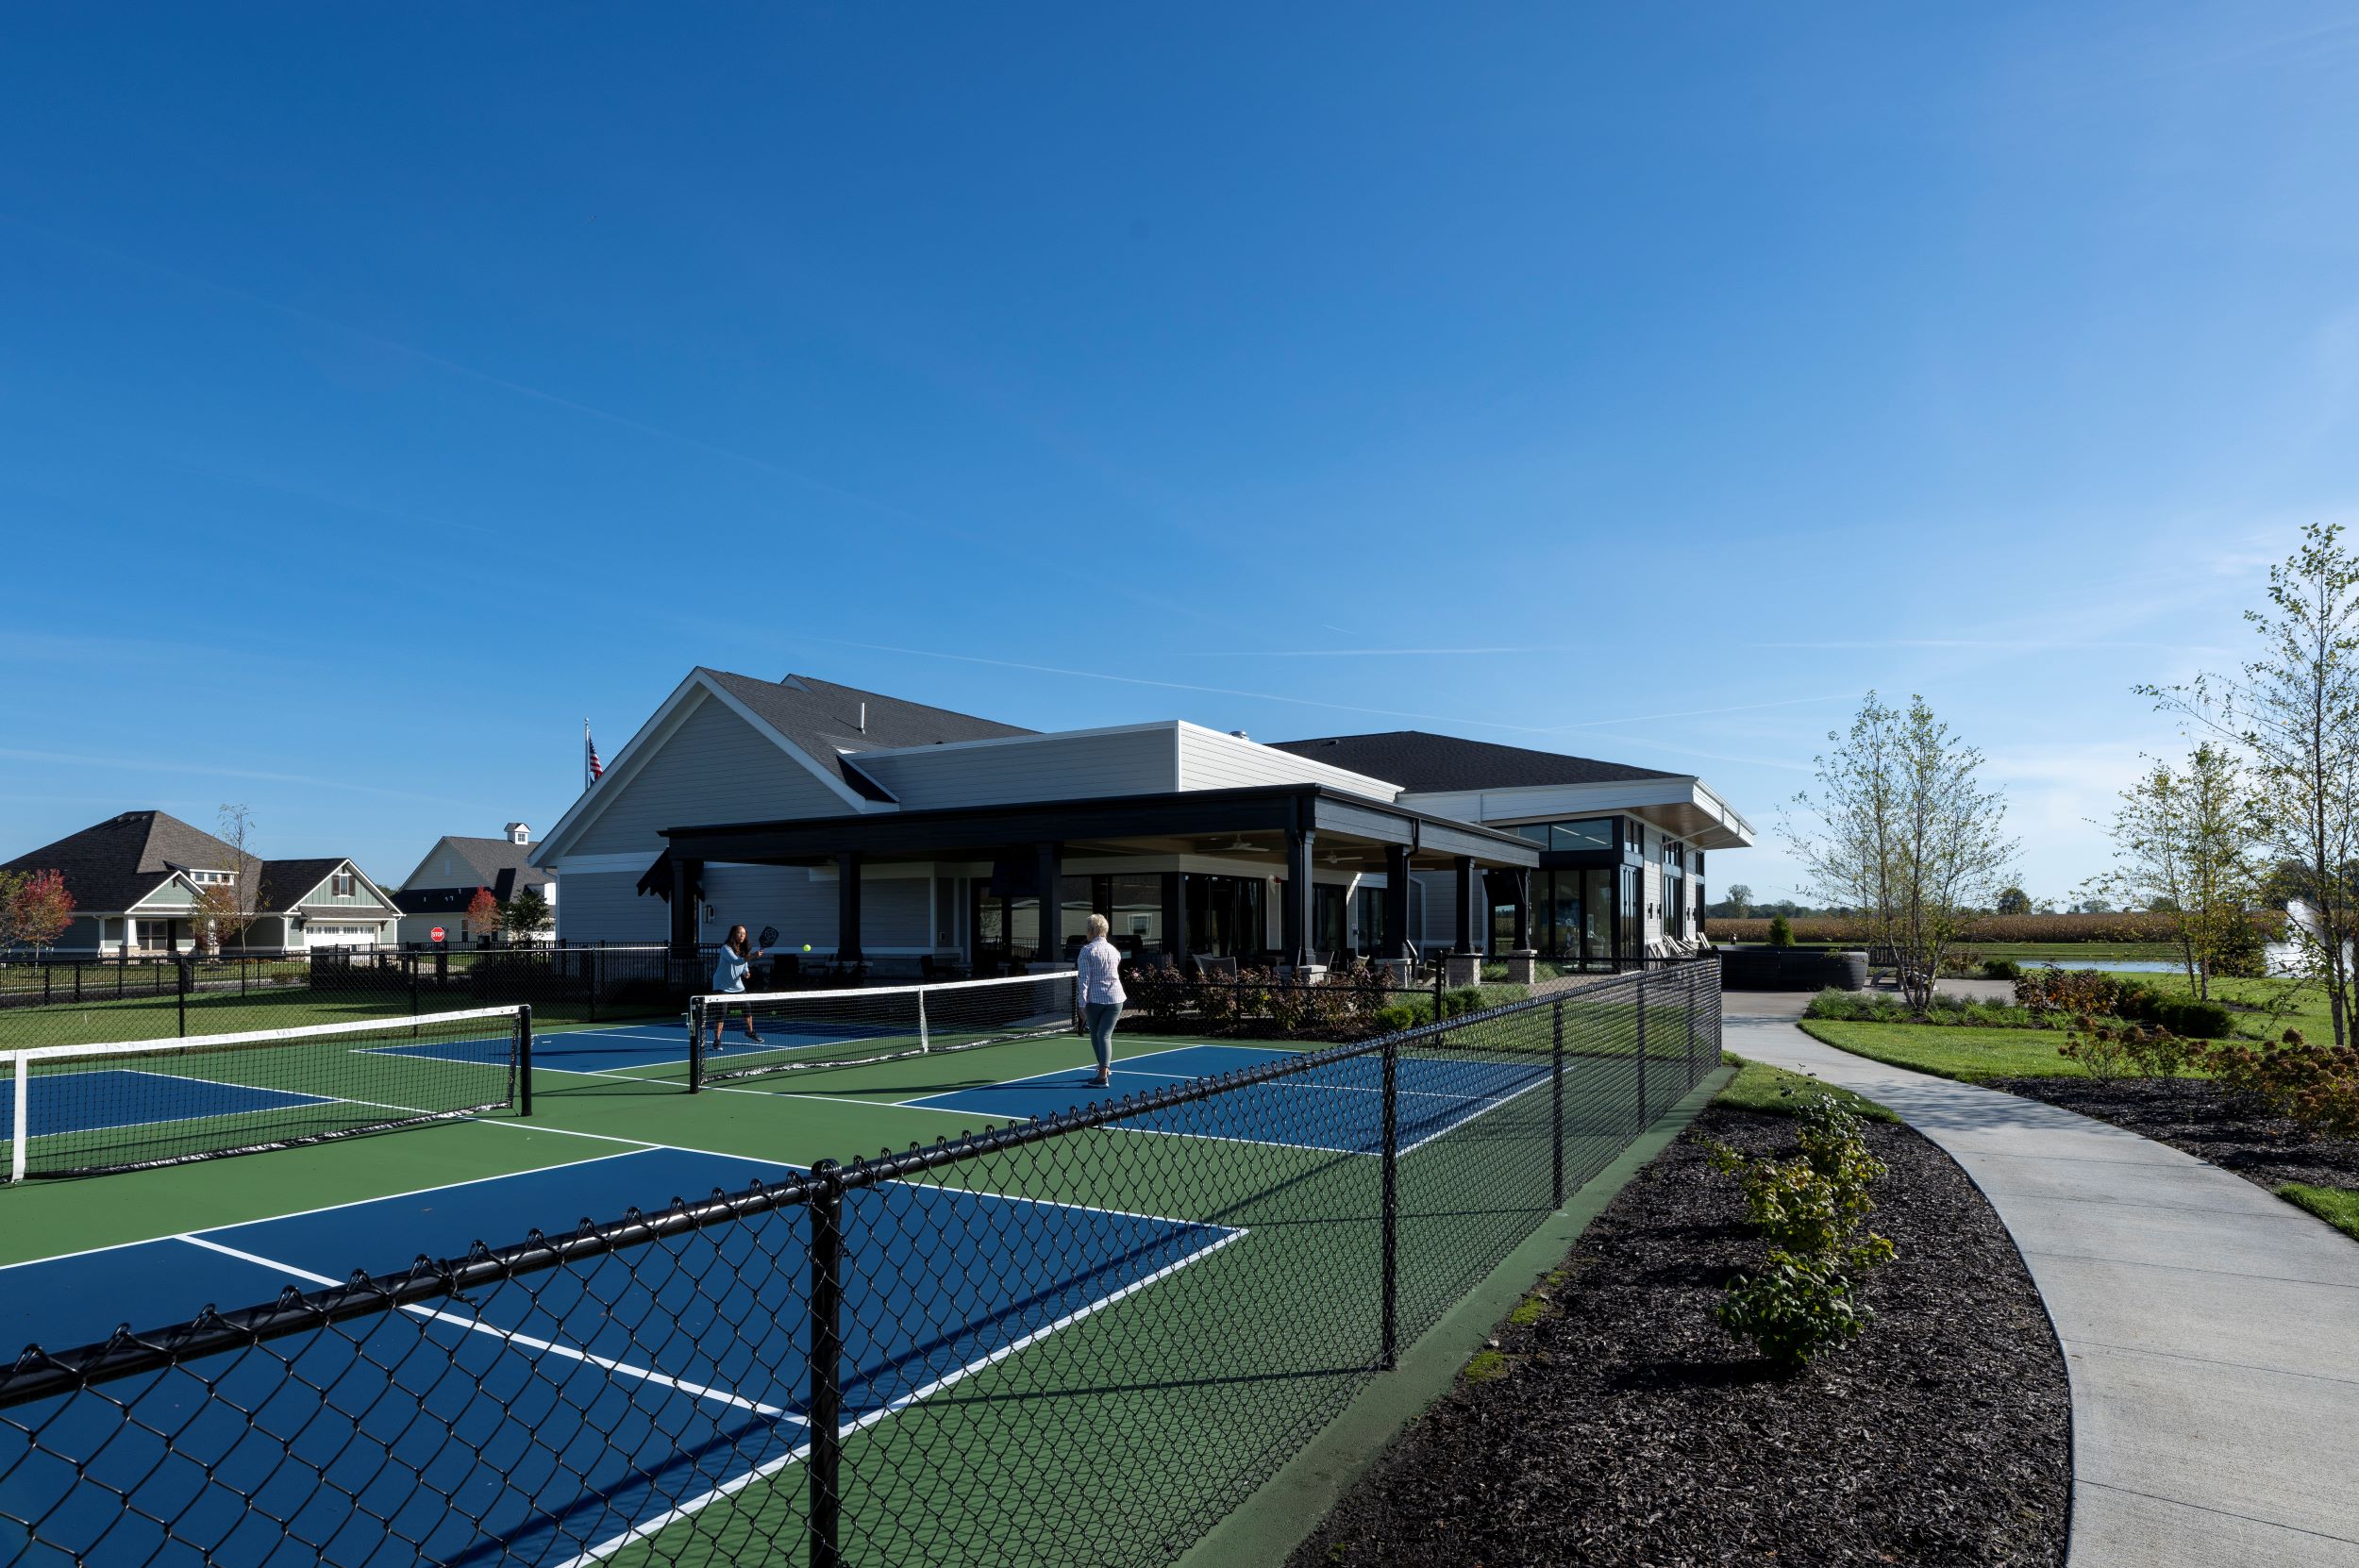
x=2210 y=1330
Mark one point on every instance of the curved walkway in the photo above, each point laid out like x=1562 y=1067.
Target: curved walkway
x=2211 y=1329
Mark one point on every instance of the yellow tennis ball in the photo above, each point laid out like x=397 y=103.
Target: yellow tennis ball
x=807 y=947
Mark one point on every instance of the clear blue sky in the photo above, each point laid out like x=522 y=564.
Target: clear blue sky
x=385 y=389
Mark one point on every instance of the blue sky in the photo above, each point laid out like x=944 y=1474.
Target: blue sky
x=383 y=390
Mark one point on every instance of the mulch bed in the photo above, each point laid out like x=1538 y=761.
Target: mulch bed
x=2194 y=1116
x=1630 y=1428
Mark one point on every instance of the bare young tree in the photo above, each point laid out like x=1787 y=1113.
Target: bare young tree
x=2293 y=712
x=229 y=909
x=2183 y=849
x=1901 y=829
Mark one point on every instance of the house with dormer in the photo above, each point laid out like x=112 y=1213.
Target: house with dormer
x=139 y=880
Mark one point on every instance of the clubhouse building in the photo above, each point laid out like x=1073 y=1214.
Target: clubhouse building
x=872 y=829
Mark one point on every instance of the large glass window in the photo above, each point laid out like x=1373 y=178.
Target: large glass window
x=1588 y=833
x=1137 y=913
x=1073 y=896
x=1227 y=915
x=1327 y=919
x=1370 y=919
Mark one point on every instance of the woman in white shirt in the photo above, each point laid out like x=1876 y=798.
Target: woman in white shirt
x=1100 y=967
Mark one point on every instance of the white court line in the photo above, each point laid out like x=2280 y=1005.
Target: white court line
x=331 y=1207
x=505 y=1337
x=680 y=1512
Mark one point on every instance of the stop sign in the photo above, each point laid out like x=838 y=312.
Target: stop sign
x=437 y=933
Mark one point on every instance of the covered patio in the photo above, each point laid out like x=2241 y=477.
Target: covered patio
x=1310 y=838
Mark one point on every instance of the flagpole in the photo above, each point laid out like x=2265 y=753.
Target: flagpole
x=585 y=757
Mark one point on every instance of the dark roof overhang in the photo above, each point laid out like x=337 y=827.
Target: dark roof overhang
x=961 y=832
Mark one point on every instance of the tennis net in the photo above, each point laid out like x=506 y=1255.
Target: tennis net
x=82 y=1109
x=751 y=1034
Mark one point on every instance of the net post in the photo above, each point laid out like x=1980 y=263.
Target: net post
x=696 y=1044
x=21 y=1091
x=1388 y=1350
x=925 y=1041
x=827 y=1363
x=1642 y=1050
x=524 y=1061
x=1556 y=1103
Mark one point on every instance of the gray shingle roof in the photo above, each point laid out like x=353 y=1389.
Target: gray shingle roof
x=481 y=862
x=1422 y=763
x=824 y=720
x=111 y=865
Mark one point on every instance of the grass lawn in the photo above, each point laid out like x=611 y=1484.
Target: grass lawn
x=2077 y=953
x=1759 y=1086
x=1950 y=1051
x=2337 y=1206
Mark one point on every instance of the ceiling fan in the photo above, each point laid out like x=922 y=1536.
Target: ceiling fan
x=1242 y=845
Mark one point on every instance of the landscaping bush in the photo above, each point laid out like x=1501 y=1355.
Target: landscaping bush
x=1809 y=1210
x=2194 y=1020
x=1869 y=1007
x=1781 y=932
x=2317 y=1086
x=2002 y=969
x=2126 y=927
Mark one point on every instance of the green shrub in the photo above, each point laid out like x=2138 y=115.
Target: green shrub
x=1781 y=932
x=2002 y=969
x=1793 y=1309
x=2194 y=1020
x=2315 y=1086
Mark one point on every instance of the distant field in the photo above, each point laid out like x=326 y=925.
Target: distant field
x=2126 y=930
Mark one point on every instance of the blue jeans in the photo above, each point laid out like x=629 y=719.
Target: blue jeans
x=1100 y=1017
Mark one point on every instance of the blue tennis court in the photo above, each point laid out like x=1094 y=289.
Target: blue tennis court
x=125 y=1098
x=1338 y=1106
x=589 y=1404
x=615 y=1048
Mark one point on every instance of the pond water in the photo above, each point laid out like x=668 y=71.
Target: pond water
x=2278 y=956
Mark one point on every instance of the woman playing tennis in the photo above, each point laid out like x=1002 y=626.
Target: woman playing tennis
x=728 y=977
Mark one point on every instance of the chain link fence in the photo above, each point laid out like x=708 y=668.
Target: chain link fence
x=1078 y=1340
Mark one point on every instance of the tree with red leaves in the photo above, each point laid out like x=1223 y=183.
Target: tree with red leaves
x=484 y=916
x=38 y=909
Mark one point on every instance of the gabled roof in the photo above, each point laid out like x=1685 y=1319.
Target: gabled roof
x=484 y=860
x=824 y=720
x=1425 y=764
x=113 y=864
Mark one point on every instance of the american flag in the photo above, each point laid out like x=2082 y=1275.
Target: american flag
x=590 y=767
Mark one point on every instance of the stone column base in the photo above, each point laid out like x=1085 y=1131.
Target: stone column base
x=1523 y=967
x=1460 y=970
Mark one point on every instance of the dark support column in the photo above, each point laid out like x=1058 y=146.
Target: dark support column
x=1471 y=908
x=686 y=878
x=1301 y=911
x=1396 y=901
x=1176 y=917
x=1523 y=912
x=1051 y=874
x=847 y=948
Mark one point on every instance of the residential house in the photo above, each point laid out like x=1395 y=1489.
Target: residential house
x=437 y=892
x=138 y=880
x=864 y=825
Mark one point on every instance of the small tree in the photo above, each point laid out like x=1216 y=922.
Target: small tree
x=1740 y=900
x=230 y=908
x=2013 y=901
x=2183 y=851
x=2293 y=711
x=526 y=915
x=1902 y=829
x=39 y=910
x=483 y=915
x=1780 y=931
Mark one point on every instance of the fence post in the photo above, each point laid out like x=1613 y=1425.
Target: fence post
x=1389 y=1209
x=524 y=1062
x=182 y=973
x=1642 y=1050
x=827 y=1363
x=589 y=961
x=1440 y=969
x=1556 y=1103
x=1690 y=1010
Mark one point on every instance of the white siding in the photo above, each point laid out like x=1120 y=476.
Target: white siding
x=1211 y=761
x=713 y=767
x=1050 y=767
x=606 y=906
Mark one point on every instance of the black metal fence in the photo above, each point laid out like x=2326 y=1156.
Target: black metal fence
x=1079 y=1339
x=81 y=1001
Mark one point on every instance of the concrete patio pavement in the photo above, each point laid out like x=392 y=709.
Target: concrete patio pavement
x=2210 y=1330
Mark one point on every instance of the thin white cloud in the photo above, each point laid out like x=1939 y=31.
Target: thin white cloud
x=149 y=764
x=1364 y=652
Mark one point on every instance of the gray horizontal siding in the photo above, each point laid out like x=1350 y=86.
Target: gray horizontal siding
x=1214 y=762
x=1055 y=767
x=606 y=906
x=713 y=767
x=892 y=915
